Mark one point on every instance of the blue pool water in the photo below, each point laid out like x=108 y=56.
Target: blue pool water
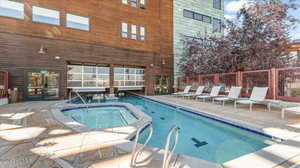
x=200 y=137
x=102 y=117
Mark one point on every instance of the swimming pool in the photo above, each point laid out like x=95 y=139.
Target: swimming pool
x=102 y=117
x=200 y=137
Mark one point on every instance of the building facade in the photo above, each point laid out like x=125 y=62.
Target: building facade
x=295 y=52
x=51 y=47
x=194 y=19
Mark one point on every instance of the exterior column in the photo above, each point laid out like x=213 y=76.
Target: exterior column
x=111 y=79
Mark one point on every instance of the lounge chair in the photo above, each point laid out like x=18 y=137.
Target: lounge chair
x=214 y=93
x=258 y=96
x=198 y=92
x=295 y=110
x=185 y=91
x=233 y=95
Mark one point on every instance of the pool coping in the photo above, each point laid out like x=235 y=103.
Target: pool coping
x=57 y=113
x=252 y=159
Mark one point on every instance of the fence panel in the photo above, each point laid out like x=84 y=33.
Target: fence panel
x=227 y=80
x=288 y=82
x=208 y=81
x=251 y=79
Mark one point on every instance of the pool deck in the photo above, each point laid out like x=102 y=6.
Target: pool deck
x=24 y=126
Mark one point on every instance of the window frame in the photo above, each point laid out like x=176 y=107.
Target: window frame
x=12 y=17
x=220 y=25
x=143 y=36
x=191 y=12
x=66 y=22
x=133 y=35
x=126 y=77
x=134 y=2
x=123 y=32
x=143 y=5
x=219 y=2
x=32 y=14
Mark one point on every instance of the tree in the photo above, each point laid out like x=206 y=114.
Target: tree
x=257 y=39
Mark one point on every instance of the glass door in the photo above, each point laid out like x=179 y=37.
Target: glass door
x=42 y=85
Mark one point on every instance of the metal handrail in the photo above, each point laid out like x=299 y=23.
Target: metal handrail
x=169 y=153
x=136 y=151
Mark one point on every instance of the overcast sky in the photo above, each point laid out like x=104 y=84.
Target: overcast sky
x=232 y=6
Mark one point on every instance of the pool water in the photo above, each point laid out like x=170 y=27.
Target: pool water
x=200 y=137
x=102 y=117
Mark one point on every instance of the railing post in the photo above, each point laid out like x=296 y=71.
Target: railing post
x=272 y=83
x=239 y=78
x=199 y=79
x=216 y=79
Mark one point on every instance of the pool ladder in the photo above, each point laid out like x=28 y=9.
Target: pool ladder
x=168 y=152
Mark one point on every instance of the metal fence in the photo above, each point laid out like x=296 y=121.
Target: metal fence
x=283 y=83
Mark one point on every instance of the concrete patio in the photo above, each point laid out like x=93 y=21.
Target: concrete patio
x=24 y=125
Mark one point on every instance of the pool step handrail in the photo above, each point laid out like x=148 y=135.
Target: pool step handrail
x=169 y=152
x=138 y=149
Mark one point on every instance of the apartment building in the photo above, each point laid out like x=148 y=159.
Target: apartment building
x=194 y=19
x=52 y=47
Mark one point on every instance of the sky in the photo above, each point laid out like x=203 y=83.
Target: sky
x=232 y=6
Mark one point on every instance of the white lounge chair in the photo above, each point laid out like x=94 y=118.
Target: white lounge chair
x=214 y=93
x=295 y=110
x=198 y=92
x=258 y=96
x=185 y=91
x=233 y=95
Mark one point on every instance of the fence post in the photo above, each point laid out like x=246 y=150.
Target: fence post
x=239 y=78
x=199 y=79
x=6 y=80
x=273 y=83
x=216 y=79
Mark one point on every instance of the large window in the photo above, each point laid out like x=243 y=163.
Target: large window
x=196 y=16
x=44 y=15
x=124 y=30
x=78 y=22
x=128 y=77
x=217 y=4
x=143 y=33
x=11 y=9
x=217 y=25
x=87 y=76
x=125 y=1
x=133 y=32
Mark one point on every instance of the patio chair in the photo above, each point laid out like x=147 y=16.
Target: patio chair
x=185 y=91
x=233 y=95
x=258 y=96
x=295 y=110
x=198 y=92
x=214 y=93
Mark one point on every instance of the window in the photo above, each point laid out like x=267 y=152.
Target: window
x=134 y=3
x=194 y=39
x=87 y=76
x=217 y=4
x=198 y=16
x=143 y=33
x=206 y=19
x=143 y=4
x=124 y=30
x=188 y=14
x=217 y=25
x=125 y=1
x=11 y=9
x=78 y=22
x=128 y=77
x=133 y=32
x=44 y=15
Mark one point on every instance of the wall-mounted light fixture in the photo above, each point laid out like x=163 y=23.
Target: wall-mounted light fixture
x=57 y=57
x=163 y=62
x=42 y=50
x=151 y=65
